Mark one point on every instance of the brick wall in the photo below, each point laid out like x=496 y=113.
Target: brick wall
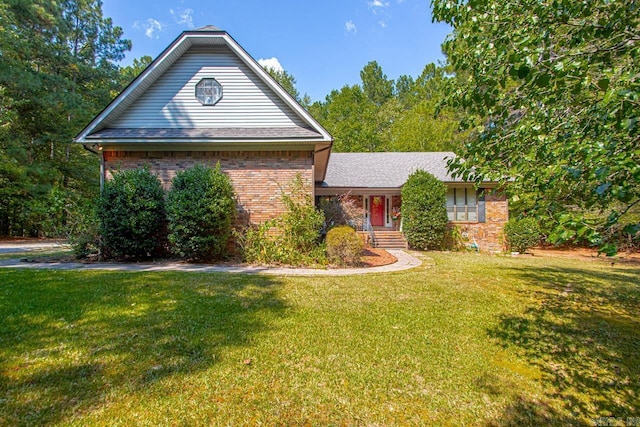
x=258 y=177
x=488 y=234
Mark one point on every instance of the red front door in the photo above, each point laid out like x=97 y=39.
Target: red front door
x=377 y=210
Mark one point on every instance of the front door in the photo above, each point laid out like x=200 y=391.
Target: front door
x=377 y=204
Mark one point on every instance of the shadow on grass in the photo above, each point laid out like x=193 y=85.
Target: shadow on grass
x=582 y=330
x=69 y=339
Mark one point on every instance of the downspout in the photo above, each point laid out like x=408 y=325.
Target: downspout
x=313 y=169
x=99 y=153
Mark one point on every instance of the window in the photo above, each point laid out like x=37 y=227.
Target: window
x=462 y=204
x=208 y=91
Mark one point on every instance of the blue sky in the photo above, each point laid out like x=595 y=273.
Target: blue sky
x=323 y=44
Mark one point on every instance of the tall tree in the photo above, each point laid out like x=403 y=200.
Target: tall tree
x=551 y=90
x=288 y=82
x=405 y=121
x=351 y=118
x=375 y=84
x=130 y=72
x=57 y=69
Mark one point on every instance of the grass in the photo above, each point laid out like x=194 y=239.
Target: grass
x=467 y=340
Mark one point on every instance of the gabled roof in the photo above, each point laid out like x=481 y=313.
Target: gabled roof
x=98 y=128
x=384 y=170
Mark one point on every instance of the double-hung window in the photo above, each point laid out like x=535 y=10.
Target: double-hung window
x=462 y=204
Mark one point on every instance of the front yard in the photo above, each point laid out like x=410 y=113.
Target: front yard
x=466 y=340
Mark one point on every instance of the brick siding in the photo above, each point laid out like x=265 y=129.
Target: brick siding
x=488 y=235
x=258 y=177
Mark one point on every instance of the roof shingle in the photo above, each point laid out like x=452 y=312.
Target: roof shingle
x=206 y=133
x=384 y=170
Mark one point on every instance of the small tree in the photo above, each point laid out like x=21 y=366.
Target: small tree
x=131 y=214
x=200 y=208
x=424 y=211
x=342 y=210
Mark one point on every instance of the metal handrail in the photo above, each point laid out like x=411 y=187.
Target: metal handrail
x=366 y=226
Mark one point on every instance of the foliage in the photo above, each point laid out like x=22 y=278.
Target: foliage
x=456 y=239
x=57 y=70
x=85 y=237
x=351 y=118
x=424 y=211
x=344 y=245
x=200 y=209
x=341 y=210
x=522 y=233
x=291 y=239
x=383 y=115
x=375 y=84
x=288 y=83
x=131 y=213
x=130 y=72
x=551 y=92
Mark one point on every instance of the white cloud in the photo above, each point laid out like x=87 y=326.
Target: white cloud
x=150 y=26
x=350 y=27
x=382 y=24
x=183 y=16
x=376 y=6
x=271 y=63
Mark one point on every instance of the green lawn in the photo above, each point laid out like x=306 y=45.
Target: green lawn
x=466 y=340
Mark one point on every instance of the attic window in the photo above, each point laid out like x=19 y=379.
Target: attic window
x=208 y=91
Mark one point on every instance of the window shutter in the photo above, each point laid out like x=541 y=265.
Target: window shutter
x=481 y=204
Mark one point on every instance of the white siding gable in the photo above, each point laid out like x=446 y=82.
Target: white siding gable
x=170 y=101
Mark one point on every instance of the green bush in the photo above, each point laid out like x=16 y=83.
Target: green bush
x=522 y=234
x=85 y=240
x=131 y=215
x=291 y=239
x=200 y=209
x=344 y=245
x=424 y=211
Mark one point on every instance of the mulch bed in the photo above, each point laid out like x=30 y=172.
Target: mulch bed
x=375 y=257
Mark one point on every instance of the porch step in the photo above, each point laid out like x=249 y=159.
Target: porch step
x=390 y=240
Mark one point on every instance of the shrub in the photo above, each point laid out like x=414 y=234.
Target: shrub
x=200 y=208
x=341 y=210
x=85 y=240
x=522 y=234
x=291 y=239
x=424 y=211
x=301 y=223
x=131 y=214
x=344 y=245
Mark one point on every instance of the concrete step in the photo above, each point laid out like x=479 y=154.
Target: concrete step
x=390 y=239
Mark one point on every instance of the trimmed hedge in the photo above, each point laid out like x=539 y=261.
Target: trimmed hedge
x=424 y=211
x=522 y=234
x=344 y=245
x=200 y=209
x=131 y=215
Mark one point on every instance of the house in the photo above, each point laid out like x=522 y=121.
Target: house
x=375 y=180
x=206 y=100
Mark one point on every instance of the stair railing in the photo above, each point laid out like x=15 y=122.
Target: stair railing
x=366 y=226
